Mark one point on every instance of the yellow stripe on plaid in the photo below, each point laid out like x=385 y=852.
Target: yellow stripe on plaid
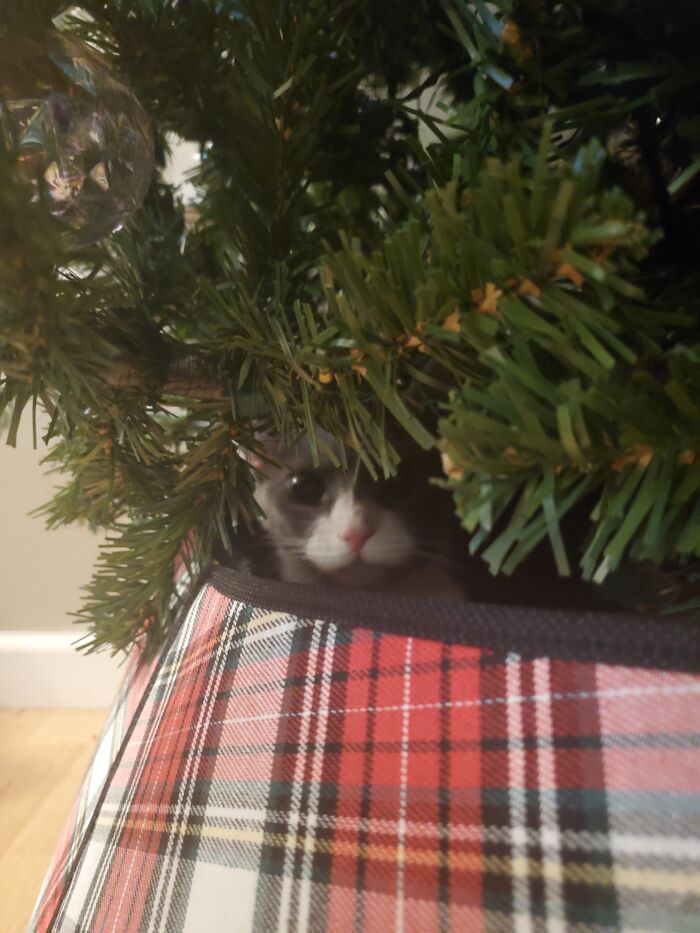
x=642 y=879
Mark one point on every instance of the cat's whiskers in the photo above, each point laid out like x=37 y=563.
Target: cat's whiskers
x=438 y=557
x=390 y=551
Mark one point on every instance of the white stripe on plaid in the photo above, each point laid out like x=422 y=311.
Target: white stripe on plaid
x=403 y=784
x=516 y=798
x=172 y=838
x=175 y=864
x=685 y=689
x=211 y=884
x=311 y=816
x=550 y=836
x=283 y=920
x=81 y=901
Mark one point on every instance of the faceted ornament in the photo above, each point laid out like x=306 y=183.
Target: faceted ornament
x=82 y=139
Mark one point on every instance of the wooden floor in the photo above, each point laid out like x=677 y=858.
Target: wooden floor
x=43 y=756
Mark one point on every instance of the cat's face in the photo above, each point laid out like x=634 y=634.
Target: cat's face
x=343 y=527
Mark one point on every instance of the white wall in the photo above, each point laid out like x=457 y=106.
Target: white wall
x=41 y=574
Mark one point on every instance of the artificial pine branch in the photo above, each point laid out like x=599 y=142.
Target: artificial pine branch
x=494 y=292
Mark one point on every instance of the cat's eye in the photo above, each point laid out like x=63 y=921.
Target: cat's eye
x=307 y=488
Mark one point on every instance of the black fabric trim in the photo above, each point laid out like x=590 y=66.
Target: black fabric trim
x=571 y=634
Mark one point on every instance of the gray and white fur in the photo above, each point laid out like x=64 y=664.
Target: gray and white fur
x=329 y=526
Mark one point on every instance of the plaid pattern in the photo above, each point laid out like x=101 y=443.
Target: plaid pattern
x=134 y=683
x=284 y=773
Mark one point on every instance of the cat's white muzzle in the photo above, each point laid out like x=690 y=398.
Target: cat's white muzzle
x=390 y=545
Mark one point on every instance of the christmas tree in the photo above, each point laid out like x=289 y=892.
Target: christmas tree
x=476 y=221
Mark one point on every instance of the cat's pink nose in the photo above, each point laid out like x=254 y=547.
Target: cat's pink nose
x=356 y=537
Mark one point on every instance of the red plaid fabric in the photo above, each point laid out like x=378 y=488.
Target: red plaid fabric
x=134 y=683
x=285 y=773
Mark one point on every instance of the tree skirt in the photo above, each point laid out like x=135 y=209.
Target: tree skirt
x=370 y=763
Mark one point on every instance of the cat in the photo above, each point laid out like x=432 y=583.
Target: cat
x=329 y=526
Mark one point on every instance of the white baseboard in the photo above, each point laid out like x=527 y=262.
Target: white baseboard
x=43 y=669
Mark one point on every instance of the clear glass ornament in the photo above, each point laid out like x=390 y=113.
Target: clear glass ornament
x=81 y=138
